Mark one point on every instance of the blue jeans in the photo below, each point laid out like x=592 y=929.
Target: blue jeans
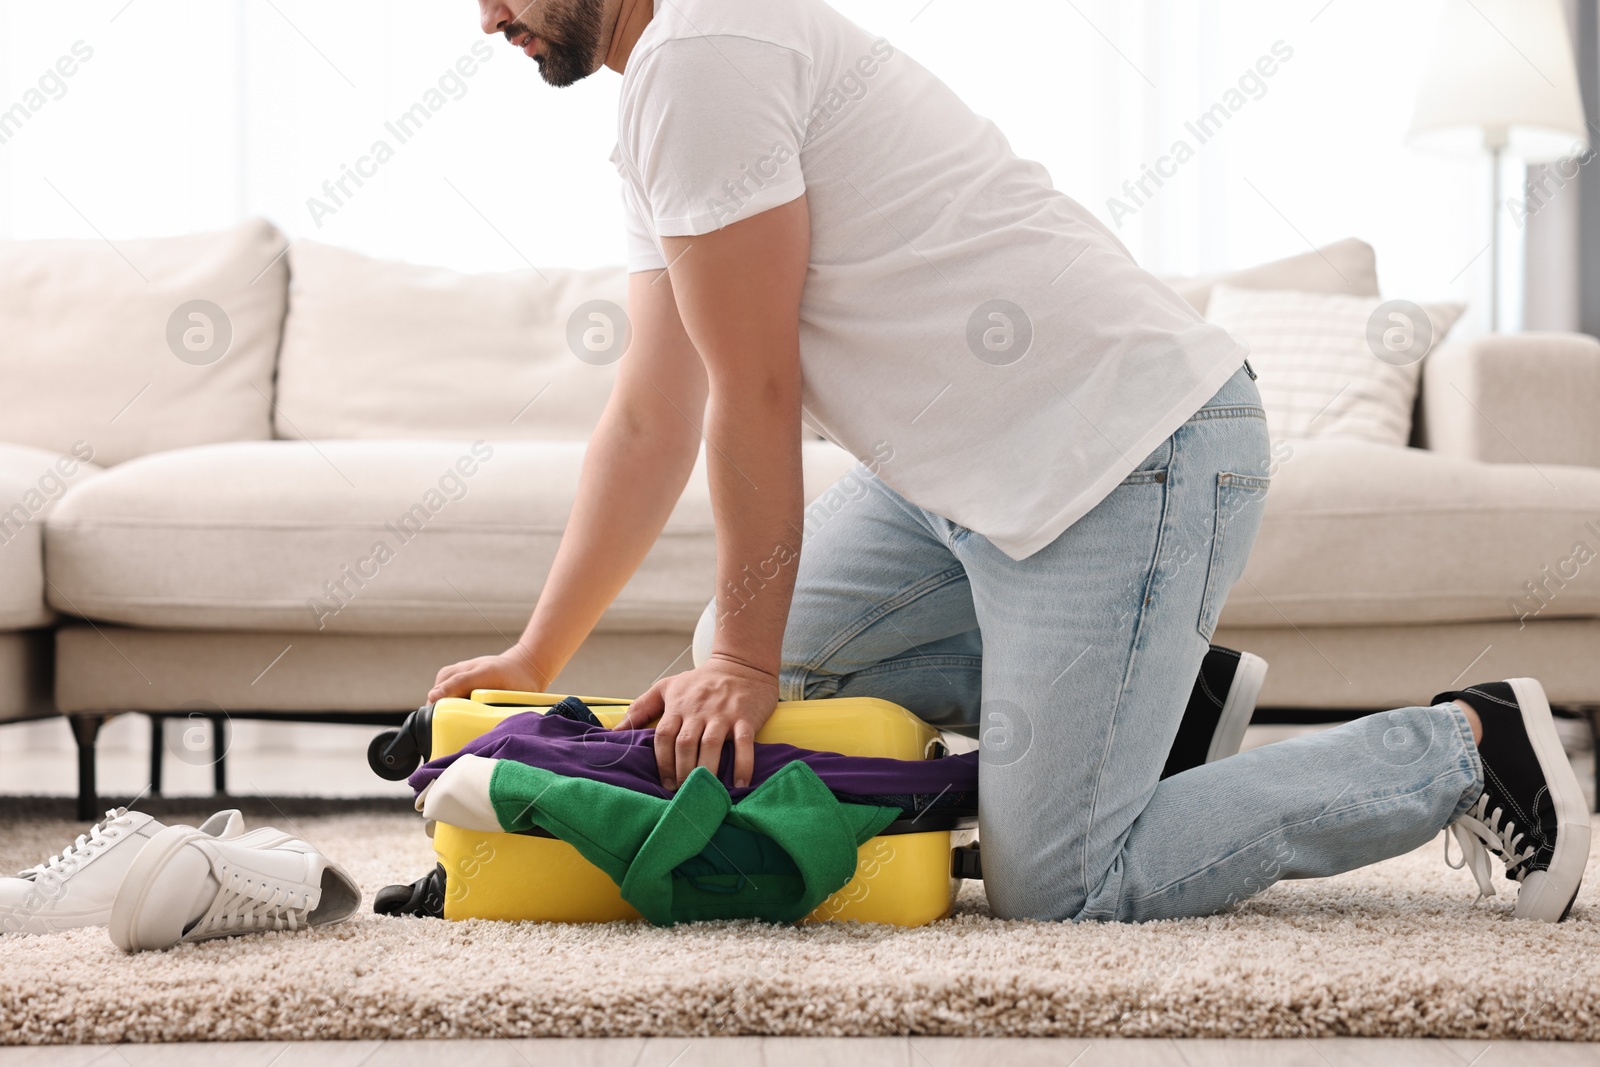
x=1073 y=668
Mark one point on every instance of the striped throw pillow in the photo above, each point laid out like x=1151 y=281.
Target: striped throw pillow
x=1332 y=365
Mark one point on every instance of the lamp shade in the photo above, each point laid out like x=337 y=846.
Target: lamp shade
x=1502 y=75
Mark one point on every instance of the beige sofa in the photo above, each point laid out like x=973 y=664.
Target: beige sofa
x=370 y=478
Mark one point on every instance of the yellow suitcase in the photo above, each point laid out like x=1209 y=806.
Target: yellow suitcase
x=903 y=876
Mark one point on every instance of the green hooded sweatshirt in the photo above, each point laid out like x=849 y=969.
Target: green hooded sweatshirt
x=774 y=855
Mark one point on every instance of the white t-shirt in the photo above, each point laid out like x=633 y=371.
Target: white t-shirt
x=982 y=341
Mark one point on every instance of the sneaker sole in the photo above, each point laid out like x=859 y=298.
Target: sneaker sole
x=1238 y=708
x=1548 y=895
x=135 y=889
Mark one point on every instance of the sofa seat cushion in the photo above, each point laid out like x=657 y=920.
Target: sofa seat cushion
x=32 y=481
x=1356 y=533
x=361 y=537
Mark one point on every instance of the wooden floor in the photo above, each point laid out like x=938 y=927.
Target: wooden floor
x=819 y=1052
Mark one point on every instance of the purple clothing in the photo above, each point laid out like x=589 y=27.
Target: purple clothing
x=627 y=758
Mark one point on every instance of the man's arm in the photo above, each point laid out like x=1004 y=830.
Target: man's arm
x=634 y=470
x=738 y=292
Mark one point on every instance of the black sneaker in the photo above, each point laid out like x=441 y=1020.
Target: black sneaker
x=1532 y=813
x=1220 y=707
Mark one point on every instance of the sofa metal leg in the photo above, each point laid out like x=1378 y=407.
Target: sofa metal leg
x=219 y=753
x=86 y=731
x=158 y=751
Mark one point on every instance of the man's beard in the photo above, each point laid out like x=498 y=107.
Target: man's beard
x=568 y=54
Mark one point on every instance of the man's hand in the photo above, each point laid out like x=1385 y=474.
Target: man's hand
x=512 y=669
x=698 y=711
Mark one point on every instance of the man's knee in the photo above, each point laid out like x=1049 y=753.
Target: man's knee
x=1023 y=881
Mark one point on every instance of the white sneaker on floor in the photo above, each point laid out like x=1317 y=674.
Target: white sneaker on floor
x=75 y=888
x=187 y=886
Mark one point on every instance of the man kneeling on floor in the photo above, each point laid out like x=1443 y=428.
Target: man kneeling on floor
x=1064 y=469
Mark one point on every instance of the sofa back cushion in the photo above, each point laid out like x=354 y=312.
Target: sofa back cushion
x=1348 y=266
x=374 y=349
x=140 y=346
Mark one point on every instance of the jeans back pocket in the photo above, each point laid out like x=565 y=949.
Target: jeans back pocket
x=1240 y=498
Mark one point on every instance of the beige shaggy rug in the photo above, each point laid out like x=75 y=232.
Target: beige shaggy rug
x=1396 y=950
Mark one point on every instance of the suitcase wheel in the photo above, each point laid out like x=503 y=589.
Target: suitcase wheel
x=394 y=754
x=966 y=862
x=422 y=899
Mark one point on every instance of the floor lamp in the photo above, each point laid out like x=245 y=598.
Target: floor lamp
x=1503 y=80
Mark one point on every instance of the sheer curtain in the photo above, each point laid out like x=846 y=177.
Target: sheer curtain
x=193 y=114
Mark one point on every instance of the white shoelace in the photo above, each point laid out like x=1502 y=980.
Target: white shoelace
x=68 y=859
x=1480 y=830
x=244 y=905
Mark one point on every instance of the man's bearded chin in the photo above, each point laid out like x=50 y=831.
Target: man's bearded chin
x=561 y=65
x=572 y=50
